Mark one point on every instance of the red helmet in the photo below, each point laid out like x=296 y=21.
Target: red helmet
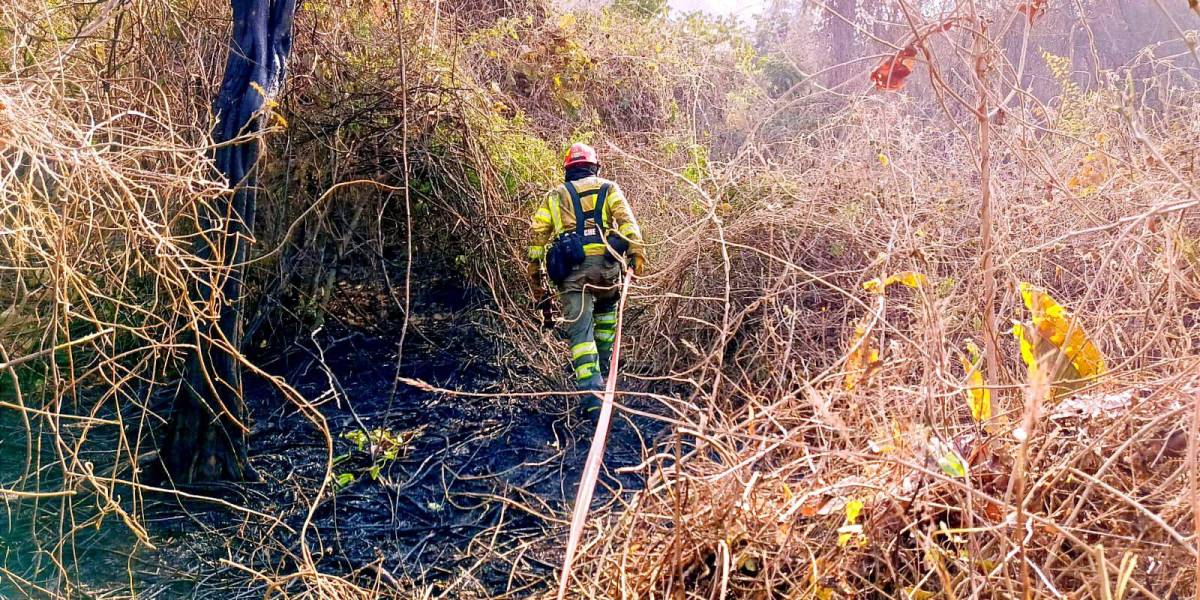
x=580 y=154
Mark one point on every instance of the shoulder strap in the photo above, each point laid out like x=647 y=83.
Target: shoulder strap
x=601 y=200
x=578 y=206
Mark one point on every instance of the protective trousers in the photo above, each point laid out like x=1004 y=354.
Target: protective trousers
x=589 y=298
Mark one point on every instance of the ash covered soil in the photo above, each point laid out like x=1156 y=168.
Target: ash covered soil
x=467 y=494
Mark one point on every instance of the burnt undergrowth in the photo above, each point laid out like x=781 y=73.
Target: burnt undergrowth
x=448 y=491
x=463 y=494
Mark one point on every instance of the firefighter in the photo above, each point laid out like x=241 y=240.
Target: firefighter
x=583 y=235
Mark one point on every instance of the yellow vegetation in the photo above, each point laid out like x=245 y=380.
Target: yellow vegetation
x=1054 y=330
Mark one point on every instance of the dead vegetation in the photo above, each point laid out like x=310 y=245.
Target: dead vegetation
x=825 y=444
x=827 y=436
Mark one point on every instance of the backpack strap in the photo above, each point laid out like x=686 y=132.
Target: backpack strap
x=577 y=205
x=597 y=214
x=601 y=199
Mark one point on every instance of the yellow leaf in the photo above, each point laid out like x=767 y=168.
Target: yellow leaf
x=1018 y=331
x=885 y=447
x=852 y=530
x=853 y=510
x=979 y=397
x=910 y=279
x=847 y=533
x=1056 y=325
x=883 y=159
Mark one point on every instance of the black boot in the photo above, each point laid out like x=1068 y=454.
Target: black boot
x=589 y=405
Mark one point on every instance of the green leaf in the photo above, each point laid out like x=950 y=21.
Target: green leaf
x=356 y=437
x=952 y=464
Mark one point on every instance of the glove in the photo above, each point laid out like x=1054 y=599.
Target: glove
x=543 y=299
x=638 y=264
x=548 y=308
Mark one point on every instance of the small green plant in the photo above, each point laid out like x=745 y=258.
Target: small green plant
x=381 y=446
x=697 y=168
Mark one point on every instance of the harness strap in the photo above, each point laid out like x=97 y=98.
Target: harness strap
x=577 y=205
x=598 y=213
x=601 y=200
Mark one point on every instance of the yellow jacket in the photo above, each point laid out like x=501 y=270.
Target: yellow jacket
x=555 y=214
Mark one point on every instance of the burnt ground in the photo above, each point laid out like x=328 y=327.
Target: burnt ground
x=473 y=504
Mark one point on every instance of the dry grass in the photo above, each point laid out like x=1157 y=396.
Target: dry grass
x=1087 y=495
x=101 y=185
x=741 y=332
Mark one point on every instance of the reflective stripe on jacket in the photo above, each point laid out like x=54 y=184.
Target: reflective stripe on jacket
x=554 y=215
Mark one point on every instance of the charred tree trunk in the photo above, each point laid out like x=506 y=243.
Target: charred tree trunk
x=207 y=434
